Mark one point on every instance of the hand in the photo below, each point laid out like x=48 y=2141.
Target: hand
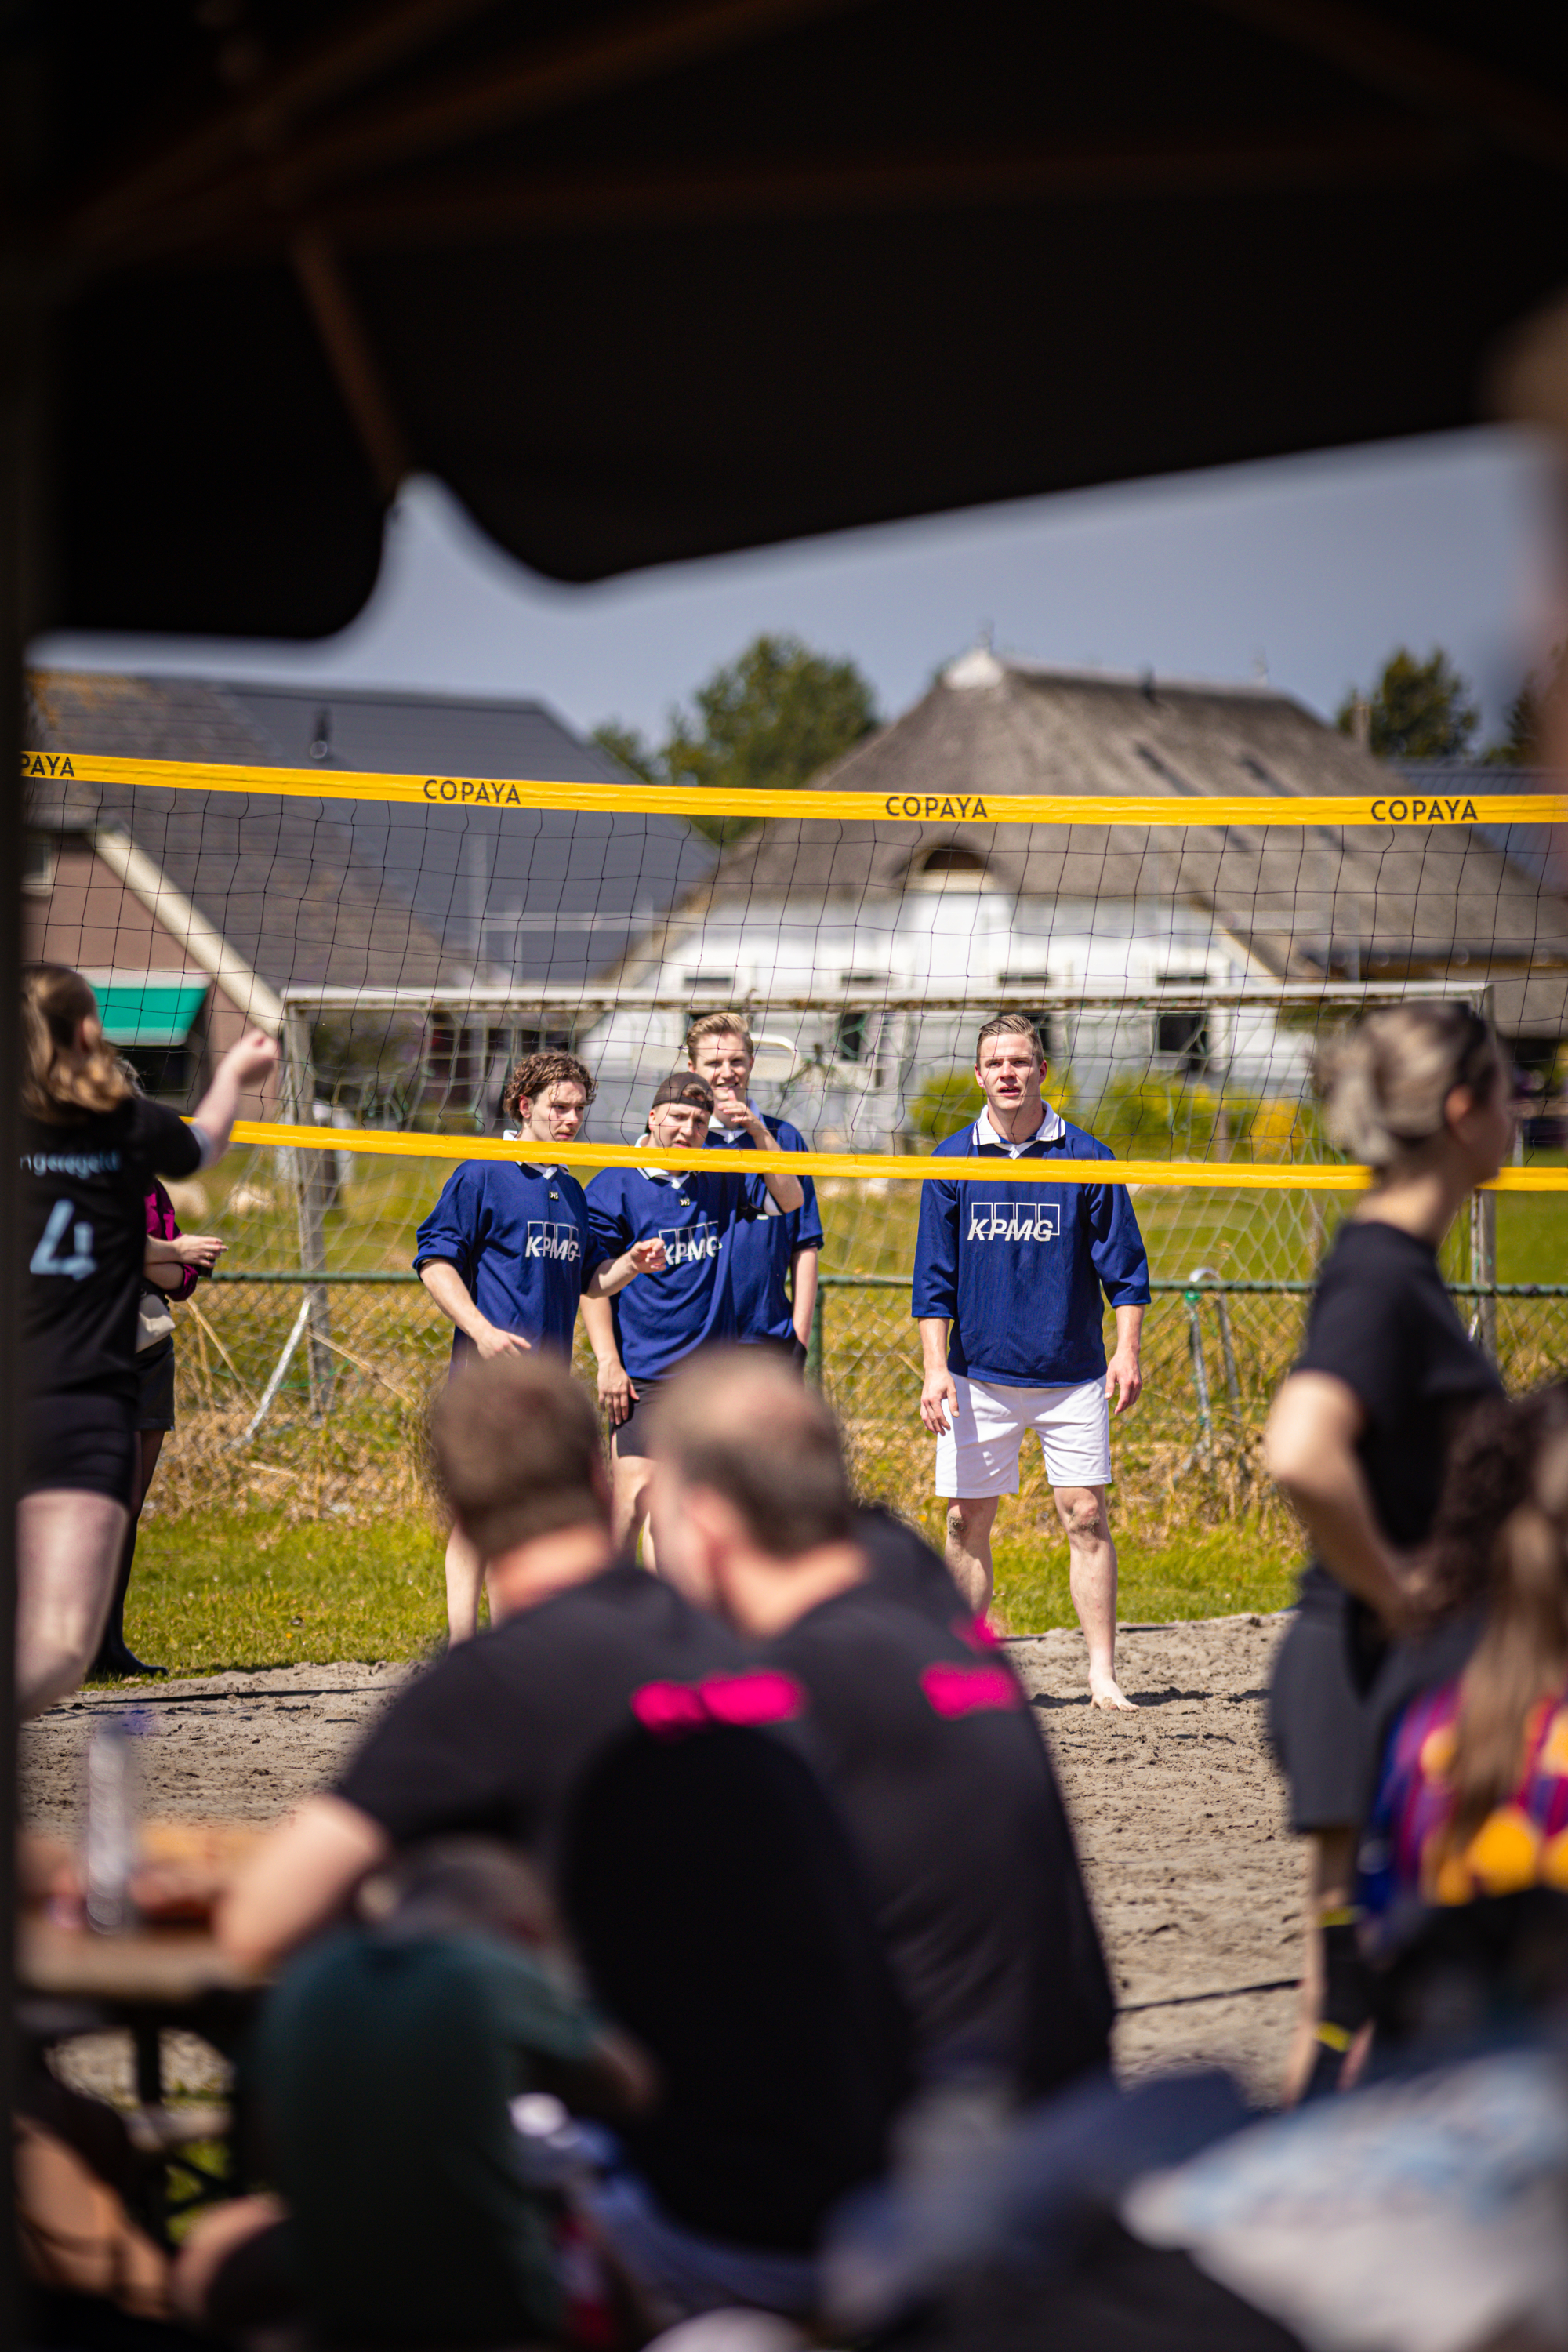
x=736 y=1111
x=1123 y=1380
x=249 y=1062
x=647 y=1257
x=203 y=1250
x=939 y=1397
x=493 y=1342
x=616 y=1393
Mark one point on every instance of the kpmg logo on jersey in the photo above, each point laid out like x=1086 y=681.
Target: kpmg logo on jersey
x=553 y=1241
x=685 y=1244
x=1014 y=1221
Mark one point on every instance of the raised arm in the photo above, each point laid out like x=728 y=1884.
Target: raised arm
x=241 y=1070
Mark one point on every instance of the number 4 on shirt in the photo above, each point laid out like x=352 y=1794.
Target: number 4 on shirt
x=46 y=1259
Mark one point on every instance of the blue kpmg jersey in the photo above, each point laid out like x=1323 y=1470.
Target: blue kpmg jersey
x=1019 y=1269
x=661 y=1318
x=761 y=1252
x=522 y=1239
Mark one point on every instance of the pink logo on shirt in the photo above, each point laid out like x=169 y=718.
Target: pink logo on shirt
x=976 y=1632
x=757 y=1696
x=970 y=1690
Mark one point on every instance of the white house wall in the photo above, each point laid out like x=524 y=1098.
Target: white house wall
x=945 y=942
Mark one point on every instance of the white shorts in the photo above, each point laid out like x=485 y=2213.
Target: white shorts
x=979 y=1455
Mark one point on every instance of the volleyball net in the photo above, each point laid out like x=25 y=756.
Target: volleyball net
x=408 y=939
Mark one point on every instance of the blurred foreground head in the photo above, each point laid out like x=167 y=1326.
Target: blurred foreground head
x=519 y=1454
x=751 y=1481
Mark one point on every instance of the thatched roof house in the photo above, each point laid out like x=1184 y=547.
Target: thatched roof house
x=948 y=913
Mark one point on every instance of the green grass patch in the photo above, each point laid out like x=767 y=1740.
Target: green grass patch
x=1193 y=1572
x=241 y=1590
x=244 y=1589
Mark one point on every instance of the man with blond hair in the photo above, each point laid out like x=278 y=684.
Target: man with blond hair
x=773 y=1260
x=1007 y=1289
x=508 y=1252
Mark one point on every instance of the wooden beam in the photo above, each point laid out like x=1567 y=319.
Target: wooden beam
x=521 y=86
x=1419 y=72
x=380 y=37
x=441 y=211
x=352 y=360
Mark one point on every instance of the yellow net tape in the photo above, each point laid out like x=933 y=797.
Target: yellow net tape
x=907 y=808
x=1223 y=1174
x=904 y=808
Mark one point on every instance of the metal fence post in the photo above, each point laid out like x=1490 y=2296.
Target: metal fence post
x=813 y=1345
x=299 y=1090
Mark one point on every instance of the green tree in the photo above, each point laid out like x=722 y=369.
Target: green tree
x=1417 y=710
x=631 y=748
x=1519 y=747
x=766 y=723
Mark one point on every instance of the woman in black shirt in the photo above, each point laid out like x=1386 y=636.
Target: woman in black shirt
x=90 y=1148
x=1358 y=1440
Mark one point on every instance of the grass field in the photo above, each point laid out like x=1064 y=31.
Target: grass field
x=310 y=1542
x=218 y=1592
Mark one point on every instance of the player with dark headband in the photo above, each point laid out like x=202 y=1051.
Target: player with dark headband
x=640 y=1338
x=90 y=1148
x=507 y=1254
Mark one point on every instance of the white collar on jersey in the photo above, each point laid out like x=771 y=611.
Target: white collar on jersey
x=717 y=1127
x=1051 y=1129
x=660 y=1175
x=514 y=1135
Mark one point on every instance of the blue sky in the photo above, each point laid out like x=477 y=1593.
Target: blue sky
x=1314 y=566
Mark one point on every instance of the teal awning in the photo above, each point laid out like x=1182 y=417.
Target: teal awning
x=149 y=1012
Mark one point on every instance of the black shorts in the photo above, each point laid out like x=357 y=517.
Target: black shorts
x=1336 y=1696
x=155 y=1384
x=80 y=1441
x=646 y=1392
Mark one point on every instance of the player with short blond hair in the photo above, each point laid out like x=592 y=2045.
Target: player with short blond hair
x=1008 y=1281
x=773 y=1261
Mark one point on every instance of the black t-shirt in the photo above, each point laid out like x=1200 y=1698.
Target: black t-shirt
x=905 y=1569
x=494 y=1737
x=930 y=1748
x=83 y=1234
x=707 y=1880
x=1382 y=1321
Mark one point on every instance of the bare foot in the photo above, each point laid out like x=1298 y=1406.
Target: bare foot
x=1105 y=1690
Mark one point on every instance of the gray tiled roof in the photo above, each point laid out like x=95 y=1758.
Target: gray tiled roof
x=1383 y=900
x=356 y=894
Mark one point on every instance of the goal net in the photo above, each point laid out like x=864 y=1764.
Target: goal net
x=408 y=939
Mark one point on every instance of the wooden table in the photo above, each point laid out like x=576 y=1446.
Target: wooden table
x=71 y=1981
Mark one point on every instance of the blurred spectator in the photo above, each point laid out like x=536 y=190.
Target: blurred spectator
x=923 y=1735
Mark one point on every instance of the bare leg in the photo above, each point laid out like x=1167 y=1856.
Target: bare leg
x=1091 y=1577
x=465 y=1577
x=631 y=1487
x=68 y=1550
x=1330 y=1883
x=968 y=1549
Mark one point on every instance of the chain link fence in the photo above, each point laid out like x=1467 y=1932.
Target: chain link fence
x=311 y=1395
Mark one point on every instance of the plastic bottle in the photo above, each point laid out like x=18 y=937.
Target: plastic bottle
x=112 y=1814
